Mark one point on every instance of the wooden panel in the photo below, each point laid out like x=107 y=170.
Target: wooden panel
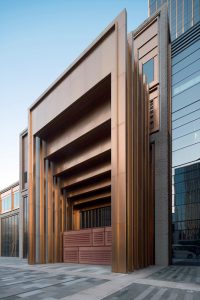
x=95 y=255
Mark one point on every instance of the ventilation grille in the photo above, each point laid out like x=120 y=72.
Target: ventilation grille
x=108 y=236
x=185 y=40
x=98 y=237
x=95 y=255
x=78 y=238
x=71 y=255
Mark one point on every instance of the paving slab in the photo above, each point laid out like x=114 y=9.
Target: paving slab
x=18 y=280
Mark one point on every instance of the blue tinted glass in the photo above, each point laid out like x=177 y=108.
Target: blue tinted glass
x=186 y=110
x=186 y=155
x=148 y=70
x=186 y=140
x=188 y=60
x=184 y=54
x=196 y=11
x=186 y=83
x=152 y=6
x=6 y=203
x=191 y=69
x=187 y=97
x=16 y=200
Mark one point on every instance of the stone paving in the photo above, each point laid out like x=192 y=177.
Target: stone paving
x=18 y=280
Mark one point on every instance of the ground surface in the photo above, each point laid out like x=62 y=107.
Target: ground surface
x=18 y=280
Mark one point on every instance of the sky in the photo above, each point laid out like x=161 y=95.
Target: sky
x=38 y=40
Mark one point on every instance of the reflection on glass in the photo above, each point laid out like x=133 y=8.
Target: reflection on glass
x=98 y=217
x=6 y=203
x=148 y=70
x=186 y=155
x=194 y=79
x=185 y=214
x=10 y=236
x=16 y=199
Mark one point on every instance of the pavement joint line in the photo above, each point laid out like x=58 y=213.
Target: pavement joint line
x=41 y=288
x=106 y=289
x=32 y=279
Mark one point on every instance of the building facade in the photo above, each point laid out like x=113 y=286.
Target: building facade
x=109 y=164
x=182 y=14
x=9 y=220
x=98 y=154
x=186 y=147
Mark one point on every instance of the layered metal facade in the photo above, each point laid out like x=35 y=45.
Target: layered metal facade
x=97 y=154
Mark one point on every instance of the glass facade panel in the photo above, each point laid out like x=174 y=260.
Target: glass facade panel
x=173 y=19
x=189 y=70
x=186 y=140
x=184 y=111
x=98 y=217
x=152 y=6
x=182 y=14
x=196 y=10
x=186 y=83
x=16 y=199
x=186 y=156
x=186 y=98
x=10 y=236
x=6 y=203
x=148 y=70
x=183 y=120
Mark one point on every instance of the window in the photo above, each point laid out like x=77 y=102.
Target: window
x=6 y=203
x=98 y=217
x=16 y=199
x=148 y=70
x=25 y=177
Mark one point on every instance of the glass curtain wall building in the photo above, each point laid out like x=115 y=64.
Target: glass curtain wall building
x=183 y=14
x=186 y=147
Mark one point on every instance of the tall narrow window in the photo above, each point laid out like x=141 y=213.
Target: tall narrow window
x=6 y=203
x=16 y=199
x=148 y=70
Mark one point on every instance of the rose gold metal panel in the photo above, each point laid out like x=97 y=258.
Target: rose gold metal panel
x=98 y=237
x=64 y=95
x=78 y=178
x=57 y=221
x=145 y=49
x=50 y=214
x=68 y=163
x=146 y=33
x=90 y=188
x=141 y=219
x=88 y=123
x=73 y=84
x=71 y=255
x=31 y=247
x=95 y=255
x=118 y=140
x=92 y=198
x=42 y=204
